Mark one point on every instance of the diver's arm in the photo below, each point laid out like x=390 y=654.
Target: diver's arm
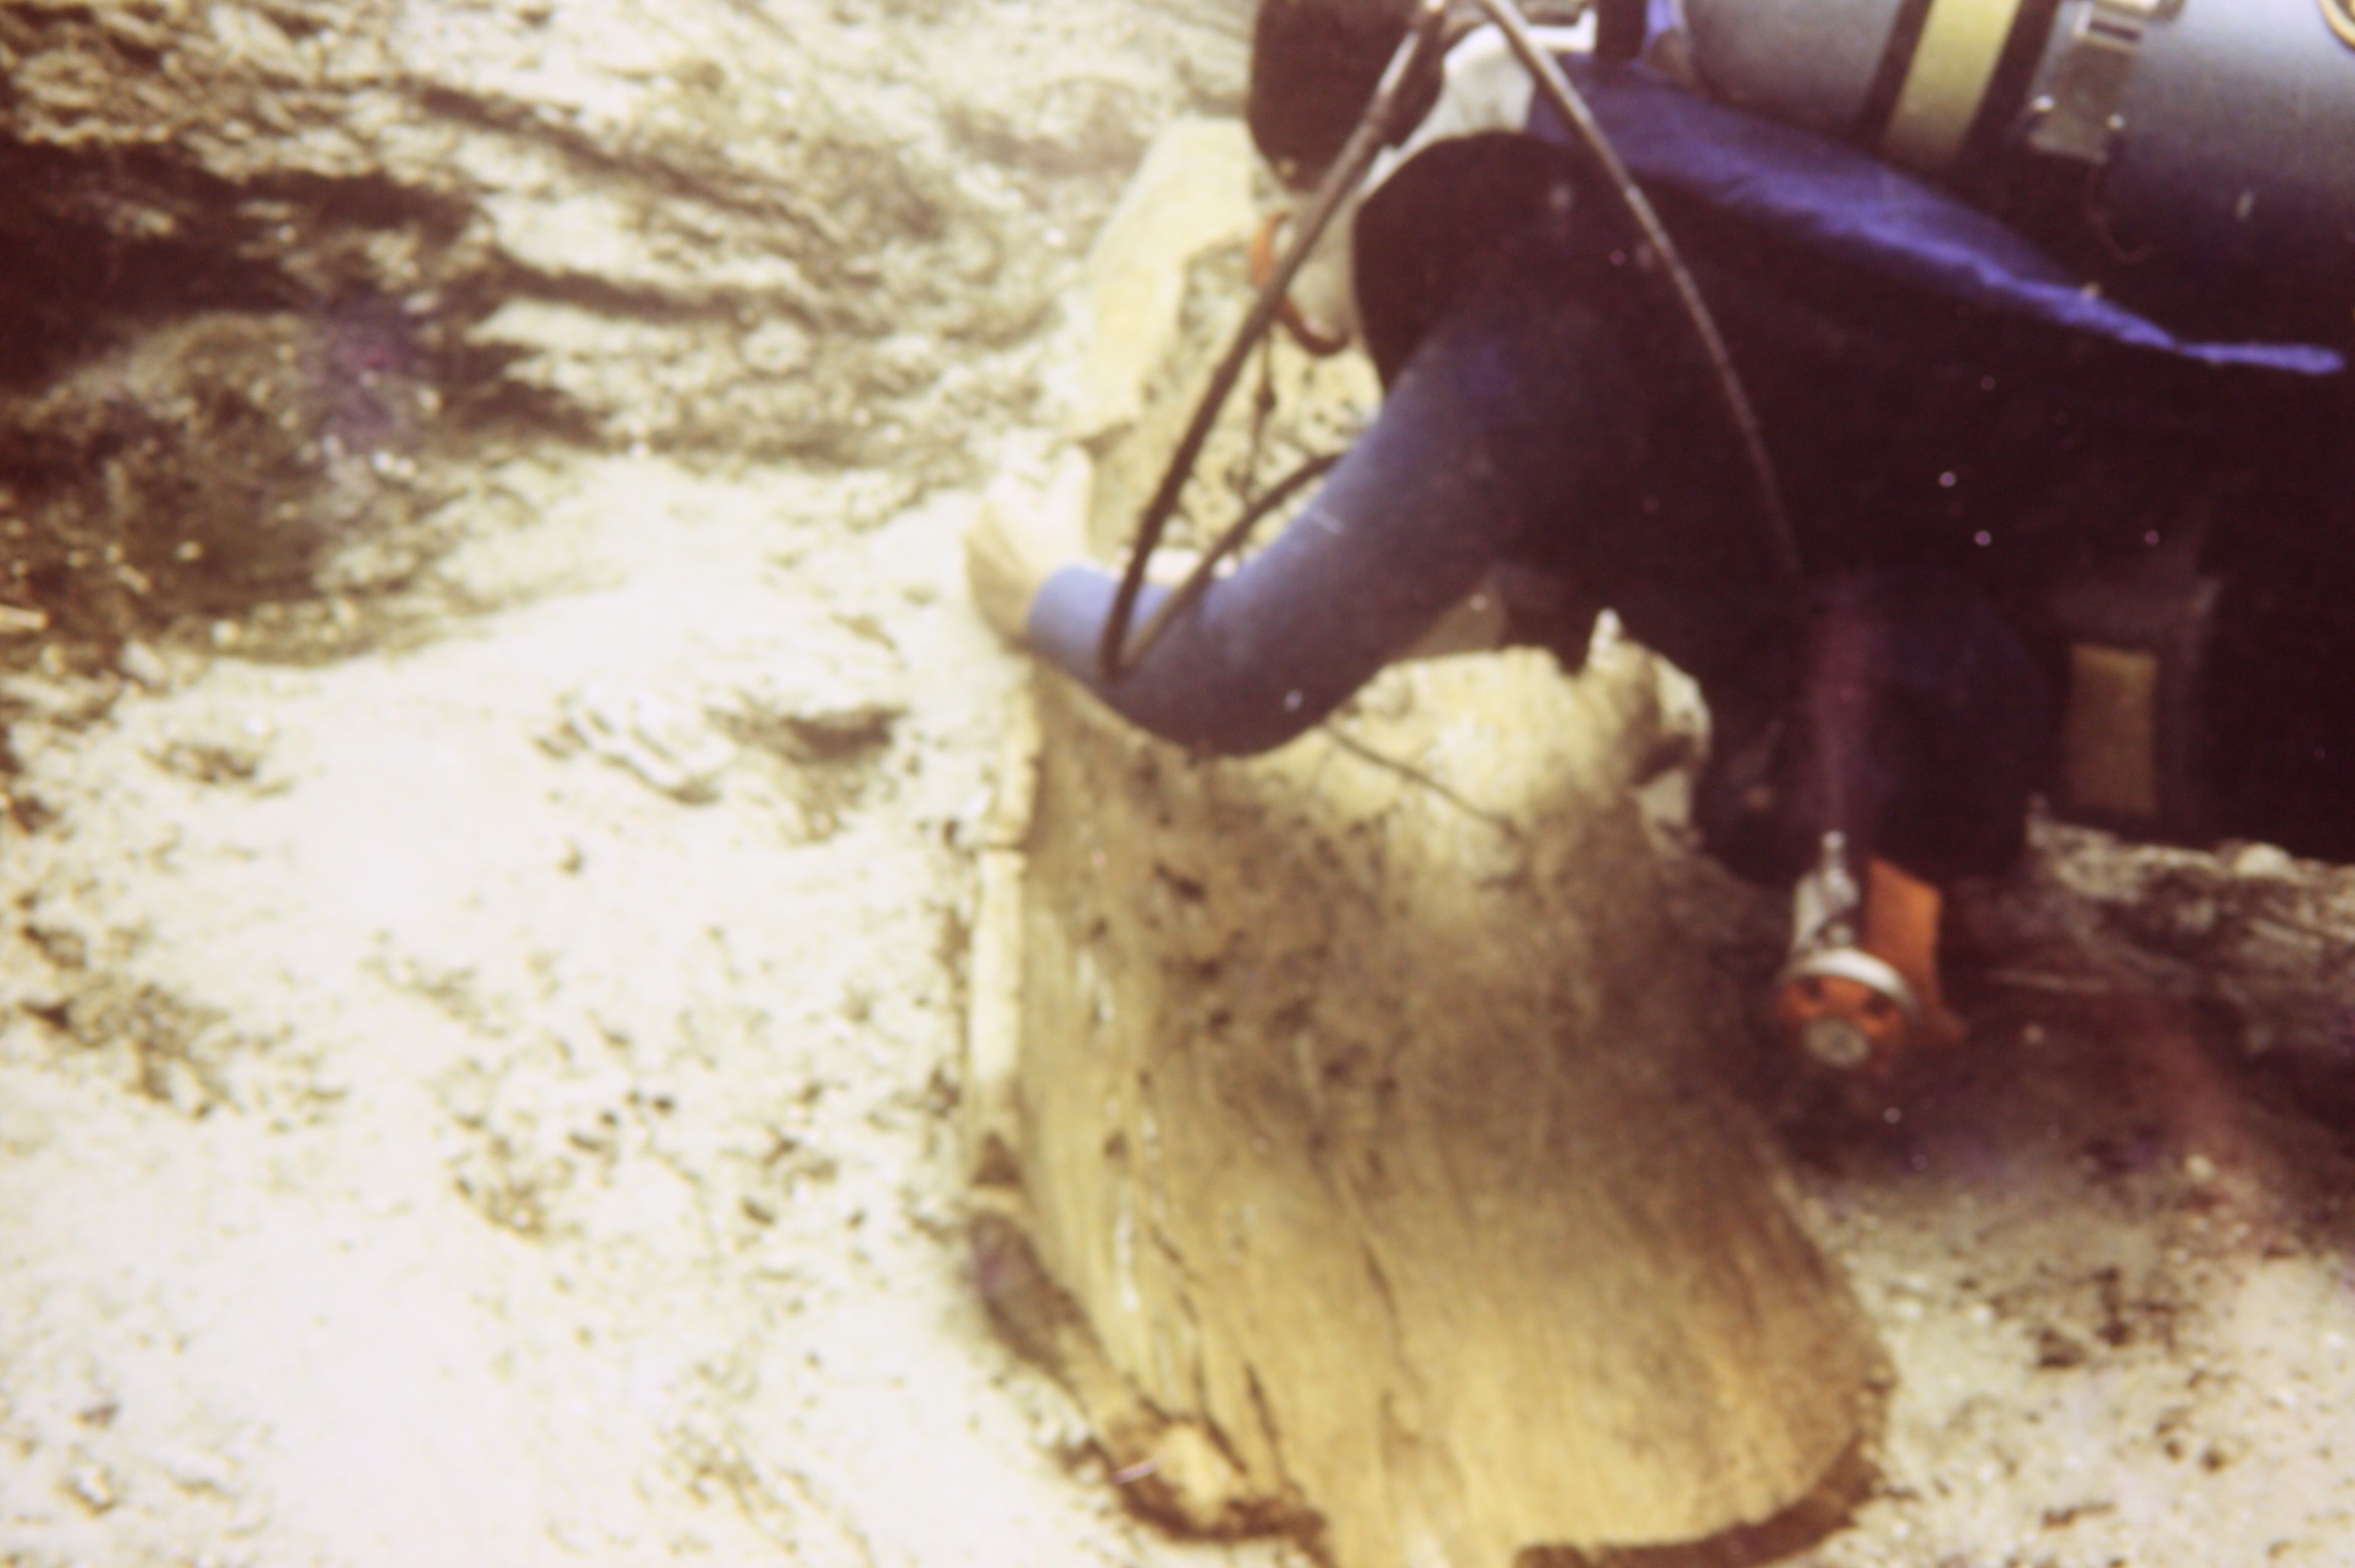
x=1510 y=402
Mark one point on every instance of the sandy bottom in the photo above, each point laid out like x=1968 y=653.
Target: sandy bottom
x=491 y=1101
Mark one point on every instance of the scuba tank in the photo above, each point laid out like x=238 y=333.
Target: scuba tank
x=2202 y=142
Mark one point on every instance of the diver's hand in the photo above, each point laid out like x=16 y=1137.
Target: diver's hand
x=1018 y=539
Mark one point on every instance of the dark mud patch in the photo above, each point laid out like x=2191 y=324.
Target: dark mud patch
x=219 y=465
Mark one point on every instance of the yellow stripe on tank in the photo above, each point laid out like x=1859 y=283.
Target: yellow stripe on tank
x=1961 y=42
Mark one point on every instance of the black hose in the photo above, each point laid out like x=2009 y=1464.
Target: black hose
x=1196 y=581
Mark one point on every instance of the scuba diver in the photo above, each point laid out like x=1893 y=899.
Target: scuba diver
x=1950 y=388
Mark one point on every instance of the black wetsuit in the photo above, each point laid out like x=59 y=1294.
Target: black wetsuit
x=1942 y=464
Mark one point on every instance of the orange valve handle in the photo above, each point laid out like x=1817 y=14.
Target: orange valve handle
x=1900 y=926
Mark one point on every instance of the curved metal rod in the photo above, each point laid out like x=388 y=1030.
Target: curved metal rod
x=1116 y=651
x=1571 y=107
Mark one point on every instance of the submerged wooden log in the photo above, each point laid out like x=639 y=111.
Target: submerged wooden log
x=1351 y=1158
x=2263 y=942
